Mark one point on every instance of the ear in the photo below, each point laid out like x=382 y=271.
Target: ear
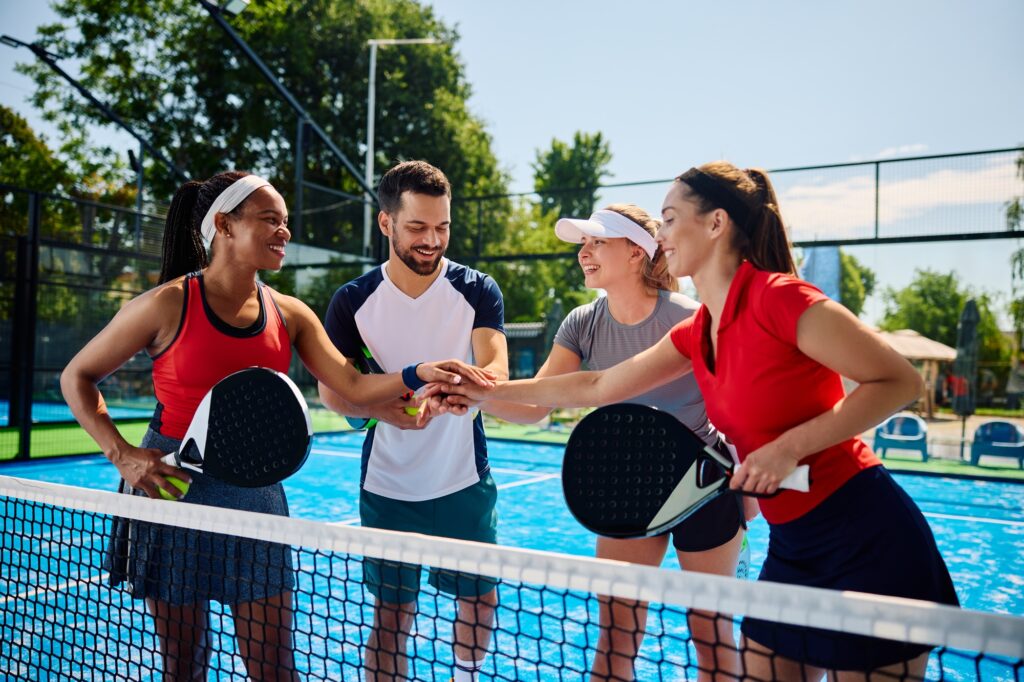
x=222 y=224
x=384 y=223
x=718 y=220
x=636 y=254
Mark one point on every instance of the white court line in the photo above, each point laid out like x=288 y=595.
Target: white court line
x=56 y=588
x=500 y=470
x=503 y=486
x=975 y=519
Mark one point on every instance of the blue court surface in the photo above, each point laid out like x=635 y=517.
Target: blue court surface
x=60 y=412
x=979 y=527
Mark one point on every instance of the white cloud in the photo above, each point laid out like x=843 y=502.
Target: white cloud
x=816 y=208
x=902 y=150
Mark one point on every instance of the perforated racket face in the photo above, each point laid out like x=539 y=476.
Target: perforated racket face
x=258 y=431
x=622 y=463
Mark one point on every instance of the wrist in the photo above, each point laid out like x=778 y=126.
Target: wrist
x=411 y=378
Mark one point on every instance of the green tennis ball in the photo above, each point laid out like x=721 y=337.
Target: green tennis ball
x=412 y=411
x=177 y=483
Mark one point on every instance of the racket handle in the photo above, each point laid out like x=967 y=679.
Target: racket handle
x=799 y=480
x=172 y=459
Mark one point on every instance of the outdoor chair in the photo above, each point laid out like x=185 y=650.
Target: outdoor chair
x=903 y=431
x=998 y=439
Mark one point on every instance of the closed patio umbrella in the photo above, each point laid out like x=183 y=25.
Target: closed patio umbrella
x=965 y=367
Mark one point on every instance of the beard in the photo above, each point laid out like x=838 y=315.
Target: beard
x=420 y=268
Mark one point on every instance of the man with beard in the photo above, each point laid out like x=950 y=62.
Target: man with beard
x=432 y=479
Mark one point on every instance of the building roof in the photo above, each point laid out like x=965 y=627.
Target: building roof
x=913 y=346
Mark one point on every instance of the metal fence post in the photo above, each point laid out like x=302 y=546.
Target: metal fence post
x=23 y=348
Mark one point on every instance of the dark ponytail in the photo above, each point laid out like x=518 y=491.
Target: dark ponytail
x=759 y=234
x=183 y=249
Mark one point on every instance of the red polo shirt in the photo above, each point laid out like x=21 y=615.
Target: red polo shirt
x=761 y=385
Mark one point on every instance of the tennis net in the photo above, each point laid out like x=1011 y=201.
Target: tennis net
x=61 y=619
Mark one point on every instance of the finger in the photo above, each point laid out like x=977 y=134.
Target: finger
x=458 y=410
x=166 y=470
x=431 y=389
x=739 y=477
x=165 y=485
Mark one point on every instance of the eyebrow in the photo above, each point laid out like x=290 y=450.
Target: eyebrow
x=424 y=222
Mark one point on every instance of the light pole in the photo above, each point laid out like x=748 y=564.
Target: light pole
x=371 y=103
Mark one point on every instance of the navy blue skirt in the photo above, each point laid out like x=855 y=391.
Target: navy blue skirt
x=868 y=536
x=184 y=566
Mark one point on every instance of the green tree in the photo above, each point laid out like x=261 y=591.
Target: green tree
x=856 y=282
x=169 y=71
x=931 y=305
x=567 y=174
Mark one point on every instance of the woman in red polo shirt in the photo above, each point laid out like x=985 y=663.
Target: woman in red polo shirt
x=767 y=350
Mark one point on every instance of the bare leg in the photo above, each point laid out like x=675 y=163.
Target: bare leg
x=264 y=631
x=623 y=620
x=385 y=659
x=717 y=656
x=473 y=626
x=914 y=669
x=184 y=641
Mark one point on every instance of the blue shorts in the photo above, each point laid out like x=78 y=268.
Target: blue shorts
x=184 y=566
x=868 y=536
x=468 y=514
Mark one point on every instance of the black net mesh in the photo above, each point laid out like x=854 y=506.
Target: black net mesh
x=256 y=596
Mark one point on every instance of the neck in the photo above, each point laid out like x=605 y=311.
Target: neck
x=232 y=281
x=631 y=302
x=408 y=281
x=712 y=282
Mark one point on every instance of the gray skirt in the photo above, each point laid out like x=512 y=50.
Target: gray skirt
x=185 y=566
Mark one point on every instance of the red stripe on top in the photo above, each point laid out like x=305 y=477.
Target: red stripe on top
x=760 y=385
x=201 y=355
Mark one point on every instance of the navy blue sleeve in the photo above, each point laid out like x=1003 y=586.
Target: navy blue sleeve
x=490 y=308
x=340 y=322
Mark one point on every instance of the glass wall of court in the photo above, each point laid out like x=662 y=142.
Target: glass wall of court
x=68 y=264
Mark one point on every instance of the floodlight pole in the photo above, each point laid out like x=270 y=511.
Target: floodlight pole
x=371 y=104
x=48 y=59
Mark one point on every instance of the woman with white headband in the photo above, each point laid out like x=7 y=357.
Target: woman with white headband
x=619 y=254
x=210 y=317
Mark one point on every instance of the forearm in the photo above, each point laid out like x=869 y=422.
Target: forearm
x=336 y=403
x=517 y=413
x=578 y=389
x=90 y=410
x=867 y=406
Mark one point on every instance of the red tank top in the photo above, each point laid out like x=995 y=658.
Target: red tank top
x=206 y=349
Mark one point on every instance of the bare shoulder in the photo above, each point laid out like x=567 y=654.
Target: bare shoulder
x=290 y=305
x=163 y=303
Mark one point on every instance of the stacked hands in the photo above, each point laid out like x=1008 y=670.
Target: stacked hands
x=761 y=472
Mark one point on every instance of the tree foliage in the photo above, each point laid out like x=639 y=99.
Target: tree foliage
x=1014 y=220
x=567 y=174
x=170 y=72
x=856 y=282
x=931 y=305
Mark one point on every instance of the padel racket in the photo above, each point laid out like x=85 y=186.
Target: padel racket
x=632 y=471
x=368 y=365
x=252 y=429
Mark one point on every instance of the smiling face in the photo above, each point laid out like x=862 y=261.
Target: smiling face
x=607 y=261
x=257 y=232
x=686 y=235
x=418 y=231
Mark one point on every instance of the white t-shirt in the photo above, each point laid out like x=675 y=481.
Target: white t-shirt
x=451 y=452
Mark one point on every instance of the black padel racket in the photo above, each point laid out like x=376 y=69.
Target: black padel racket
x=252 y=429
x=632 y=471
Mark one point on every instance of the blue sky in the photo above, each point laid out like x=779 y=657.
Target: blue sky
x=780 y=84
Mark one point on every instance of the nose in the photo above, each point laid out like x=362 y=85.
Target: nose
x=283 y=229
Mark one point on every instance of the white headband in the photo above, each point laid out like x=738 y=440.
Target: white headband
x=605 y=223
x=228 y=200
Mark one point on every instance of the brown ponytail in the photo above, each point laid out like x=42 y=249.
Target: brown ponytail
x=183 y=250
x=760 y=236
x=655 y=271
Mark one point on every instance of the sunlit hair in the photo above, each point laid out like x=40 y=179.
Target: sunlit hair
x=761 y=238
x=418 y=177
x=183 y=251
x=654 y=271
